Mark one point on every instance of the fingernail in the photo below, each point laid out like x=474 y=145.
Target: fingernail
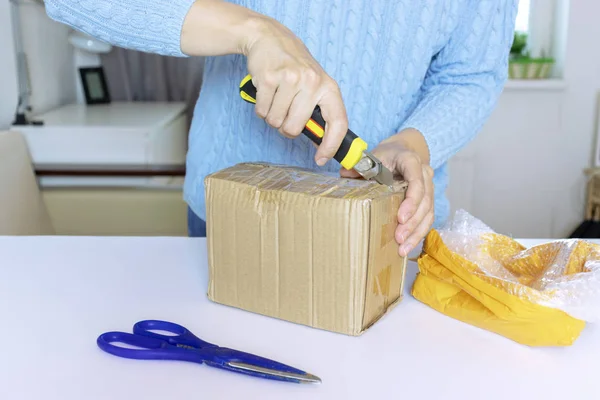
x=321 y=162
x=405 y=217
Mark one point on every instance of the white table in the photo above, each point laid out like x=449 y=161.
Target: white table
x=58 y=294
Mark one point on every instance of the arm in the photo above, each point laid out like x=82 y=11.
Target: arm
x=289 y=81
x=460 y=90
x=464 y=82
x=168 y=27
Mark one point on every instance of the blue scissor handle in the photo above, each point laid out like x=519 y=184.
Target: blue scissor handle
x=181 y=337
x=185 y=346
x=148 y=348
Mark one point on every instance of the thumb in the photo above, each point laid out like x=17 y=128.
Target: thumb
x=344 y=173
x=383 y=153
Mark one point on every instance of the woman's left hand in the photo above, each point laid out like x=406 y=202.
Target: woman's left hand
x=400 y=153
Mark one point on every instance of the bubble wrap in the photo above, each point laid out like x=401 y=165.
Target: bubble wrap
x=562 y=274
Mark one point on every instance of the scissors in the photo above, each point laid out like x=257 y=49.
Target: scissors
x=182 y=345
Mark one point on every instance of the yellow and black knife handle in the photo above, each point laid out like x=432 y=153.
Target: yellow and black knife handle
x=352 y=147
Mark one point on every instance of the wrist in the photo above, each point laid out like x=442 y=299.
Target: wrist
x=215 y=27
x=413 y=140
x=252 y=30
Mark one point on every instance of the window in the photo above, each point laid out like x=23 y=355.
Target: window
x=544 y=22
x=522 y=23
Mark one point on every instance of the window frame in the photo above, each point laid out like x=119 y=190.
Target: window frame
x=547 y=31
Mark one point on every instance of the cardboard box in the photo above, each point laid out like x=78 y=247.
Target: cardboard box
x=305 y=247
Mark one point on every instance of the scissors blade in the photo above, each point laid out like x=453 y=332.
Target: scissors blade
x=300 y=378
x=370 y=167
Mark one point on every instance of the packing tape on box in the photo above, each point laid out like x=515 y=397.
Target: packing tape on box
x=383 y=281
x=388 y=233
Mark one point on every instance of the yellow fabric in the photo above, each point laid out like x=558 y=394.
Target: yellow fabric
x=458 y=288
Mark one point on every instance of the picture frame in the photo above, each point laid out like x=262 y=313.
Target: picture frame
x=94 y=85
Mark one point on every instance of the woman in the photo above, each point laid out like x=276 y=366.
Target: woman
x=415 y=79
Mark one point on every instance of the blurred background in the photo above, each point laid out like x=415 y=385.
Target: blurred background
x=106 y=128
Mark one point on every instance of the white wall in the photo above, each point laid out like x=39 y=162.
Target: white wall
x=523 y=175
x=50 y=60
x=582 y=74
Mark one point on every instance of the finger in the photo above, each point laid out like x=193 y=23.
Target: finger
x=282 y=100
x=336 y=125
x=410 y=234
x=299 y=113
x=265 y=91
x=412 y=172
x=418 y=234
x=344 y=173
x=426 y=204
x=279 y=108
x=383 y=153
x=405 y=230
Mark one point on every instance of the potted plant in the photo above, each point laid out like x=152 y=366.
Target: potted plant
x=522 y=65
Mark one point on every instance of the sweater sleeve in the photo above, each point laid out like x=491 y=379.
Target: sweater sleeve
x=465 y=78
x=151 y=26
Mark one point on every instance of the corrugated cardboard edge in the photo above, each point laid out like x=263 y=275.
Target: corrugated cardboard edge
x=209 y=247
x=399 y=186
x=392 y=305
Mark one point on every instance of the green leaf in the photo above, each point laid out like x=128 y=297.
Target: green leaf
x=519 y=43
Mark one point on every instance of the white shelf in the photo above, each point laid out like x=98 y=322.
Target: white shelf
x=535 y=84
x=133 y=133
x=72 y=182
x=114 y=115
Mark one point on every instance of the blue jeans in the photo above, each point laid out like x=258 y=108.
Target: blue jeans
x=196 y=226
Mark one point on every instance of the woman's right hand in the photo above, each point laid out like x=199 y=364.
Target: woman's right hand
x=290 y=83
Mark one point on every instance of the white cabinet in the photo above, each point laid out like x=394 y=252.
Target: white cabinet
x=89 y=159
x=118 y=133
x=116 y=211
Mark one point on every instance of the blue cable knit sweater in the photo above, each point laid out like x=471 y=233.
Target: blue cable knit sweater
x=434 y=65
